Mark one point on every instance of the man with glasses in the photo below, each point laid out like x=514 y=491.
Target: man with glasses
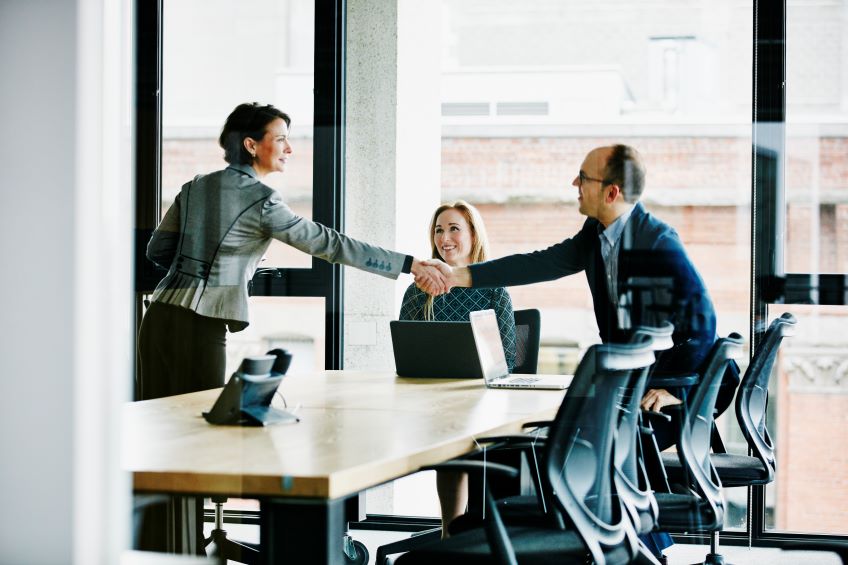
x=638 y=273
x=621 y=247
x=636 y=266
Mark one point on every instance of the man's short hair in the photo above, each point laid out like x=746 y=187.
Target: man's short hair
x=625 y=168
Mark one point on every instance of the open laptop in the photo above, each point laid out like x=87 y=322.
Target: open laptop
x=487 y=340
x=434 y=349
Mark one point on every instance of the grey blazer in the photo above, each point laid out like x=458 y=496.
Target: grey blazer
x=216 y=232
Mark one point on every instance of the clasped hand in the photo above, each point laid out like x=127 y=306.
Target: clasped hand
x=656 y=399
x=432 y=276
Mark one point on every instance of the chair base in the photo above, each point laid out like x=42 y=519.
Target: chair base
x=355 y=552
x=415 y=541
x=218 y=545
x=715 y=559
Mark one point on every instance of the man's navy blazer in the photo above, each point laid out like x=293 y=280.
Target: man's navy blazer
x=651 y=255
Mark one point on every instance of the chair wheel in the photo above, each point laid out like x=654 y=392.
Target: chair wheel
x=355 y=552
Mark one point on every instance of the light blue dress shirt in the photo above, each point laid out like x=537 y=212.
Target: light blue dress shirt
x=610 y=247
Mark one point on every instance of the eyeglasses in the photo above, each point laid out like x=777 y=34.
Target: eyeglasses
x=582 y=177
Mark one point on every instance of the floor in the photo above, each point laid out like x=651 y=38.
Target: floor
x=677 y=555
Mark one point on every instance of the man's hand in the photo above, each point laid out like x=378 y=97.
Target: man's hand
x=655 y=399
x=429 y=277
x=455 y=276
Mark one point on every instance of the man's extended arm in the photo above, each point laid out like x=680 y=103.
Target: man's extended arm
x=557 y=261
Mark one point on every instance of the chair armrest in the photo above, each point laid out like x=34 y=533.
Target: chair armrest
x=510 y=439
x=653 y=415
x=673 y=381
x=496 y=534
x=474 y=467
x=537 y=424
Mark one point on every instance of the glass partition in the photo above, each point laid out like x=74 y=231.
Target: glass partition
x=808 y=394
x=528 y=89
x=817 y=137
x=808 y=397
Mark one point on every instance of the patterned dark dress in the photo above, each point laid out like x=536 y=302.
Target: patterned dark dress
x=456 y=306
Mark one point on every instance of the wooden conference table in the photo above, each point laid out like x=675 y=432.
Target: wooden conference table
x=357 y=430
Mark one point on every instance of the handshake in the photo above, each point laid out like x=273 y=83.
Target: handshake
x=437 y=277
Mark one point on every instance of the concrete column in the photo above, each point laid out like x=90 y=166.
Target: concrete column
x=393 y=147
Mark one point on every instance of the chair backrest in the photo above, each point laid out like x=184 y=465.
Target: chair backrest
x=752 y=398
x=630 y=477
x=693 y=445
x=528 y=324
x=578 y=460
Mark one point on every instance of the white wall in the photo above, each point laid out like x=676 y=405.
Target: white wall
x=65 y=227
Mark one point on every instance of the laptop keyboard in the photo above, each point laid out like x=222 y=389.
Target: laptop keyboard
x=523 y=380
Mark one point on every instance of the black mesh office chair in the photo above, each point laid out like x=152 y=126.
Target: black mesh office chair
x=630 y=477
x=576 y=464
x=698 y=509
x=528 y=324
x=697 y=505
x=751 y=403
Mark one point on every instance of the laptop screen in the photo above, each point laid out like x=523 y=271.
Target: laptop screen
x=487 y=340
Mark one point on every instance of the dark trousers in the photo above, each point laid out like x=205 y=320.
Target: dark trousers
x=179 y=352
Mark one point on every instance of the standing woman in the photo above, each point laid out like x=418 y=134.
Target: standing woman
x=458 y=237
x=211 y=240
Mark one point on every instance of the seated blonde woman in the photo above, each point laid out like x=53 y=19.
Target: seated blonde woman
x=458 y=237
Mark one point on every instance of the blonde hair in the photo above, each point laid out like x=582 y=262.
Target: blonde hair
x=479 y=239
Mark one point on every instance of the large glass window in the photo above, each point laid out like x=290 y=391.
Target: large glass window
x=817 y=137
x=808 y=404
x=216 y=55
x=524 y=101
x=528 y=89
x=222 y=53
x=808 y=393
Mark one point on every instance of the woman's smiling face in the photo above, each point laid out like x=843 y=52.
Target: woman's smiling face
x=273 y=150
x=452 y=238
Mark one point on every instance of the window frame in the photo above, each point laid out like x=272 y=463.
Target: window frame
x=321 y=279
x=768 y=285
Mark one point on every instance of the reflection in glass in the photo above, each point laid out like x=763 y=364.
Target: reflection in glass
x=292 y=323
x=807 y=408
x=736 y=508
x=523 y=102
x=816 y=138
